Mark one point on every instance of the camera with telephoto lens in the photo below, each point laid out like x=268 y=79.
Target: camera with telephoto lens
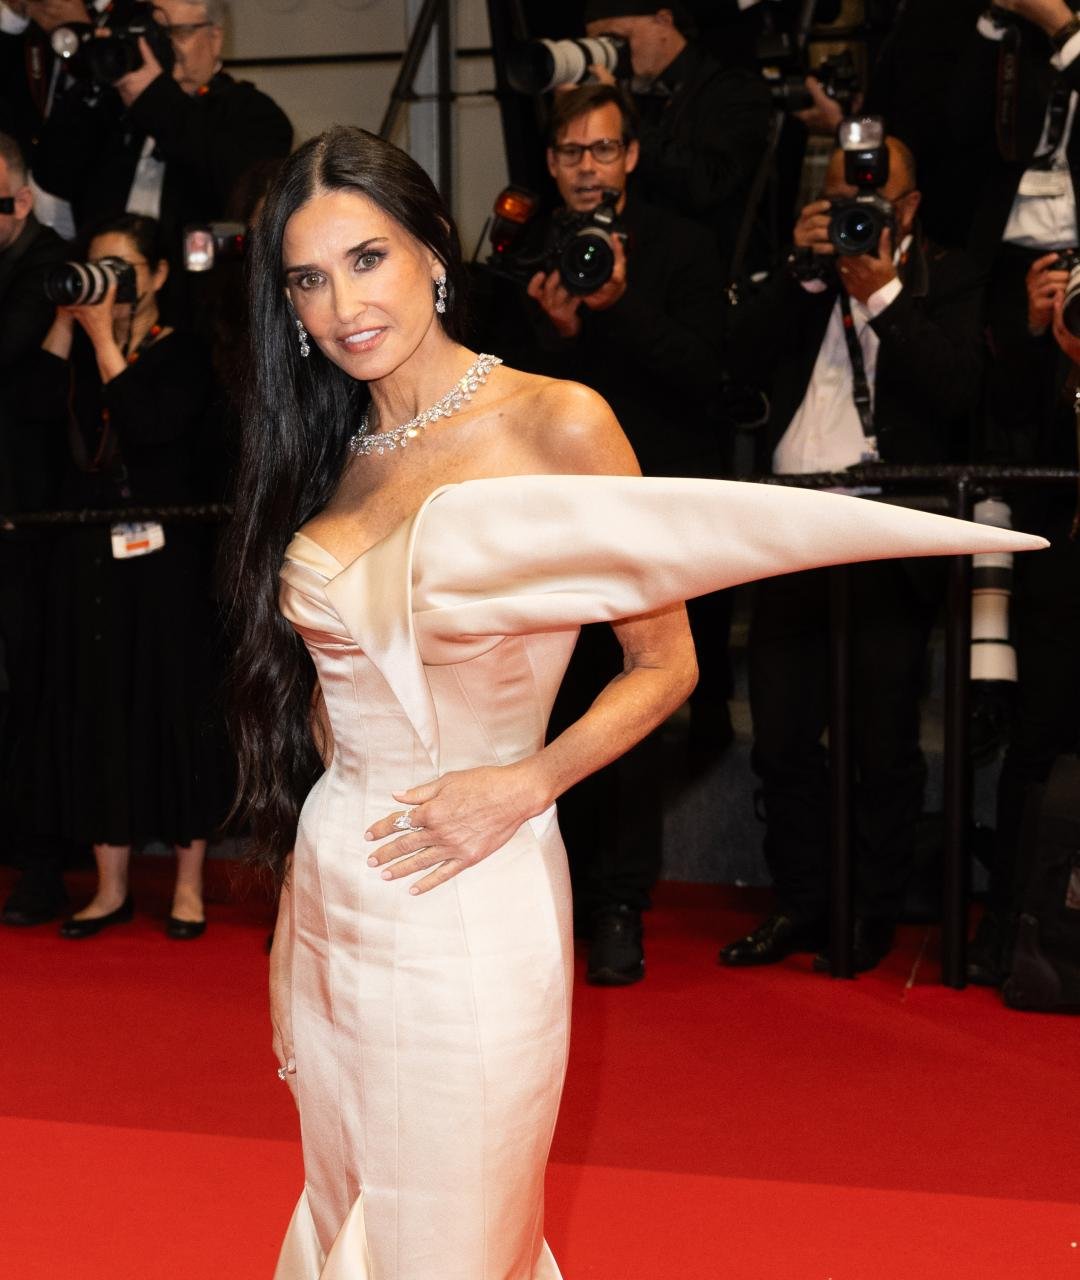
x=85 y=284
x=535 y=66
x=857 y=224
x=838 y=76
x=208 y=243
x=580 y=246
x=105 y=59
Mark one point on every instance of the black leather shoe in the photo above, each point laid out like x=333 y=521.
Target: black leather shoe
x=123 y=914
x=34 y=901
x=616 y=957
x=772 y=941
x=873 y=942
x=184 y=930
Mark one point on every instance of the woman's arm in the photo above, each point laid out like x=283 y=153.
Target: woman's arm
x=281 y=981
x=467 y=815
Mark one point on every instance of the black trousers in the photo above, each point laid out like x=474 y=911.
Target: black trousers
x=1046 y=711
x=893 y=609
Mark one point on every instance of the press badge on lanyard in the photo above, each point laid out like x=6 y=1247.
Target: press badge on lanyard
x=137 y=539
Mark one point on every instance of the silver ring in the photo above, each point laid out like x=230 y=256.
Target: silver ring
x=403 y=822
x=289 y=1069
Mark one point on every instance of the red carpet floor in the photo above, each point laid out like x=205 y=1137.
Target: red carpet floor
x=771 y=1125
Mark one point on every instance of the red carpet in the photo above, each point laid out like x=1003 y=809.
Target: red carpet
x=771 y=1125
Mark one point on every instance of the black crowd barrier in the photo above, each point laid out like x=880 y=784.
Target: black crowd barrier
x=955 y=488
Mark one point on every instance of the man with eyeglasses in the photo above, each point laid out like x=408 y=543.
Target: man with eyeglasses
x=648 y=340
x=703 y=124
x=864 y=357
x=168 y=146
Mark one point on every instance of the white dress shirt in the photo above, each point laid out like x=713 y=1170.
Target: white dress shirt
x=1043 y=214
x=825 y=433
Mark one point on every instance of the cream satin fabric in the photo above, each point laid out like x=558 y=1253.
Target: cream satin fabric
x=431 y=1033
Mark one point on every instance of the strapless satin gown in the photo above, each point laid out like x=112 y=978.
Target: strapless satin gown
x=430 y=1033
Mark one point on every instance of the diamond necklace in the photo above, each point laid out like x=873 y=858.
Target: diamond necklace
x=455 y=399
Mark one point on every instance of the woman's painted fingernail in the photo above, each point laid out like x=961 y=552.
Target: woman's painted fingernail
x=368 y=835
x=388 y=875
x=373 y=861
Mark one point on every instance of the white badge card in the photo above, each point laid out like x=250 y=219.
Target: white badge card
x=138 y=539
x=1047 y=184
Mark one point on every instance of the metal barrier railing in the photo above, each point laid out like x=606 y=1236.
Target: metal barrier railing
x=959 y=486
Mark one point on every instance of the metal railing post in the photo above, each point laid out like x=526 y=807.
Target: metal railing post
x=957 y=764
x=841 y=777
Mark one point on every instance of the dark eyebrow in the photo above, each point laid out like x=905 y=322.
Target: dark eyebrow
x=355 y=252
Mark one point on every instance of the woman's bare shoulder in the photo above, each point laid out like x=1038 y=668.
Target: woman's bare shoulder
x=571 y=427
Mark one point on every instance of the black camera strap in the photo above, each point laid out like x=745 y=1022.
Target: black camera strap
x=864 y=404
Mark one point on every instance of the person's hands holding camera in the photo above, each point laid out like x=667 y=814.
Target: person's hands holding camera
x=610 y=293
x=812 y=228
x=558 y=304
x=863 y=275
x=1051 y=15
x=825 y=115
x=1045 y=283
x=130 y=86
x=562 y=307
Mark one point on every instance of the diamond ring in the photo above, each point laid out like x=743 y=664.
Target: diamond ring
x=403 y=822
x=289 y=1069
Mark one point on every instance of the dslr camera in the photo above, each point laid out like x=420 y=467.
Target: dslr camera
x=857 y=224
x=102 y=60
x=580 y=246
x=535 y=66
x=85 y=284
x=838 y=76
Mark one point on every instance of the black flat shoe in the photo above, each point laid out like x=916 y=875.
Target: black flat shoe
x=123 y=914
x=184 y=930
x=773 y=940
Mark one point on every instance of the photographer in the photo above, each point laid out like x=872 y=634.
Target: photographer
x=703 y=125
x=165 y=145
x=126 y=748
x=29 y=470
x=872 y=355
x=1046 y=612
x=648 y=340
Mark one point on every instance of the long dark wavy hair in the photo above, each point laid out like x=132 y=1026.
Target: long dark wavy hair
x=298 y=417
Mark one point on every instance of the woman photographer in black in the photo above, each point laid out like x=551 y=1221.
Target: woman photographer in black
x=126 y=747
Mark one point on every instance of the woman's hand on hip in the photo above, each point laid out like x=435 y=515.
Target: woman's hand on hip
x=461 y=818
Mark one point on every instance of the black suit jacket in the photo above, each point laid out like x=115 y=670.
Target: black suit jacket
x=929 y=365
x=29 y=464
x=87 y=152
x=701 y=144
x=973 y=121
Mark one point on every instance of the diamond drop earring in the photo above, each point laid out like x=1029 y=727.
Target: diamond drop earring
x=440 y=295
x=302 y=333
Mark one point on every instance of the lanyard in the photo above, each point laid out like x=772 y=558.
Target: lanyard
x=860 y=386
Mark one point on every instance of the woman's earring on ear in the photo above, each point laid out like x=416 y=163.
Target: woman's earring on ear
x=440 y=294
x=302 y=333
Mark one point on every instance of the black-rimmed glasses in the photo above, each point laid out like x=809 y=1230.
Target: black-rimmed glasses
x=603 y=150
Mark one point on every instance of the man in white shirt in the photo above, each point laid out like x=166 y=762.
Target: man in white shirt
x=908 y=319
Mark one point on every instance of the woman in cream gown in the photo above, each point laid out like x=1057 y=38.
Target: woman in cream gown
x=420 y=973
